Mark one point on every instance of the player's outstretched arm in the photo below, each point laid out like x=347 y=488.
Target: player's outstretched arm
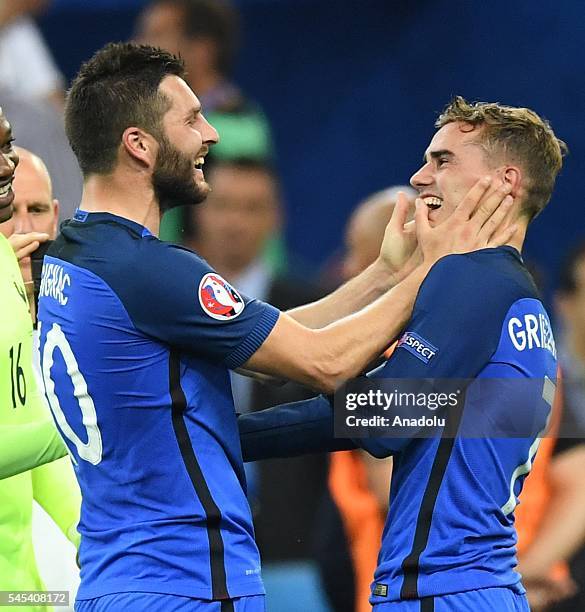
x=323 y=358
x=24 y=447
x=386 y=272
x=290 y=430
x=399 y=255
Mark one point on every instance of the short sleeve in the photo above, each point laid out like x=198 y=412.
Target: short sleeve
x=176 y=297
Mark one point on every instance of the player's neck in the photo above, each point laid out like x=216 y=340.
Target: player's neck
x=517 y=240
x=129 y=197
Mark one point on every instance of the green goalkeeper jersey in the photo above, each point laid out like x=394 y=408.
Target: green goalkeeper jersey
x=27 y=439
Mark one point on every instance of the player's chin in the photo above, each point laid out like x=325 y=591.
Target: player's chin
x=202 y=190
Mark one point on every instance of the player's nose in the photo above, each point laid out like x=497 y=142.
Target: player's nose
x=422 y=177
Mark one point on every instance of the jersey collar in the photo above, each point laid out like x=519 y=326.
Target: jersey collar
x=82 y=216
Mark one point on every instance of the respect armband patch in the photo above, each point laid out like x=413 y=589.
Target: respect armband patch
x=422 y=349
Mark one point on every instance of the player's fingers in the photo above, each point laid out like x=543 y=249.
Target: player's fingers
x=489 y=203
x=502 y=237
x=421 y=219
x=498 y=220
x=410 y=227
x=26 y=250
x=38 y=236
x=472 y=198
x=400 y=212
x=18 y=241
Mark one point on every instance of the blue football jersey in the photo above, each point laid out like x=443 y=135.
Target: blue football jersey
x=136 y=341
x=450 y=526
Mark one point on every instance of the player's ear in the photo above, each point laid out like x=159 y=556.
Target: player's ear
x=55 y=215
x=512 y=175
x=140 y=146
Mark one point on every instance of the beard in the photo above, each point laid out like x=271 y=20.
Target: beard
x=172 y=179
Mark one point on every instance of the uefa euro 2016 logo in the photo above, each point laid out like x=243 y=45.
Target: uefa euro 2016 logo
x=218 y=298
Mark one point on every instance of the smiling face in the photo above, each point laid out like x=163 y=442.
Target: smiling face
x=178 y=178
x=35 y=210
x=8 y=163
x=453 y=163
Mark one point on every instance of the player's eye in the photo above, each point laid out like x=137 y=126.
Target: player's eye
x=7 y=147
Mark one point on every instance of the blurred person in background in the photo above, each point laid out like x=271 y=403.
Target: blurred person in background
x=40 y=128
x=206 y=34
x=27 y=68
x=351 y=519
x=239 y=216
x=30 y=84
x=53 y=485
x=562 y=536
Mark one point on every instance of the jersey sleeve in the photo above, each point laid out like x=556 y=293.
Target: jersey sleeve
x=179 y=299
x=24 y=447
x=289 y=430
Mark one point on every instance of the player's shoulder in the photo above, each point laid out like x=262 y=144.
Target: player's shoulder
x=119 y=250
x=488 y=276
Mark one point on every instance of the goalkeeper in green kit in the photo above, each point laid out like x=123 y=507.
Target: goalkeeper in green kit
x=28 y=436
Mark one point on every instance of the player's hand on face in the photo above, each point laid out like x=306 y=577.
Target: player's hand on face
x=400 y=241
x=482 y=220
x=25 y=244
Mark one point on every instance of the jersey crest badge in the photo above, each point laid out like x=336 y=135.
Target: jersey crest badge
x=219 y=299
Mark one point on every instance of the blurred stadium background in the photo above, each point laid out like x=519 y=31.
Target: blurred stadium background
x=351 y=89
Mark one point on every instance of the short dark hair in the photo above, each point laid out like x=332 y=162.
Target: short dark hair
x=217 y=20
x=116 y=89
x=567 y=284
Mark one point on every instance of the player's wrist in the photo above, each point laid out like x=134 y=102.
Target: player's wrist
x=386 y=275
x=419 y=272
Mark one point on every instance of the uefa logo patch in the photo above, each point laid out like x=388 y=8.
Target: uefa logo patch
x=422 y=349
x=219 y=299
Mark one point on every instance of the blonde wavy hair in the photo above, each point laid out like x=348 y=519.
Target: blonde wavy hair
x=516 y=135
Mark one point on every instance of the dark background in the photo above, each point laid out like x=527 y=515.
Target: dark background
x=352 y=89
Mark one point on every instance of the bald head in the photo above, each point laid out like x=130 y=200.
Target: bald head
x=34 y=166
x=35 y=210
x=365 y=230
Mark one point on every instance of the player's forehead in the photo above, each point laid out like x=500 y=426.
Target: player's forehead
x=183 y=100
x=31 y=180
x=455 y=137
